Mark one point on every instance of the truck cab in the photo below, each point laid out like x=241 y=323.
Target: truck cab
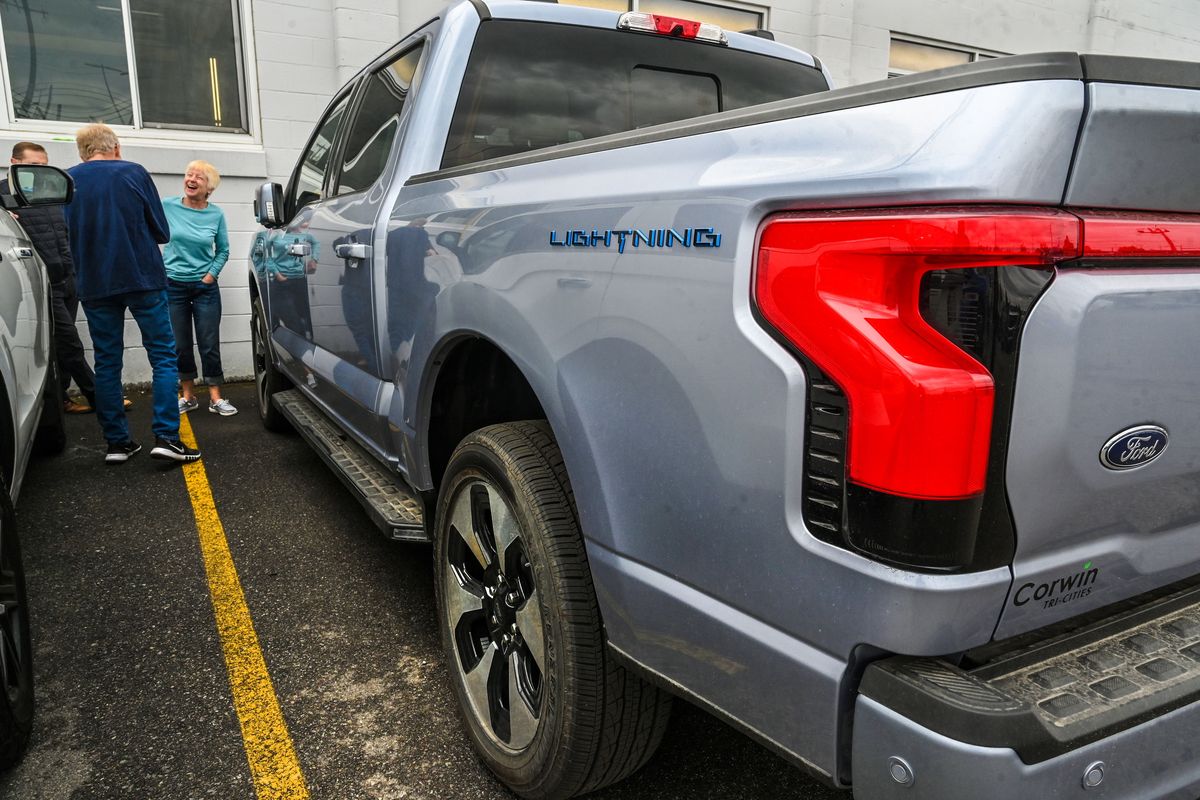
x=705 y=380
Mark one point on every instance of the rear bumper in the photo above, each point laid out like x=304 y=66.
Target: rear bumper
x=1157 y=759
x=1032 y=717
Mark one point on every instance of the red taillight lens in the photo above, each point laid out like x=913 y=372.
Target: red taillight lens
x=844 y=288
x=1115 y=234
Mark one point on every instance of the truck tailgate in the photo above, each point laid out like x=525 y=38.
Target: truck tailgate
x=1113 y=348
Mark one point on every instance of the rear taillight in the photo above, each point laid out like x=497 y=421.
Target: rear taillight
x=672 y=26
x=1122 y=234
x=896 y=316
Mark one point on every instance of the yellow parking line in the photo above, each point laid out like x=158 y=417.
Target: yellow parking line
x=273 y=763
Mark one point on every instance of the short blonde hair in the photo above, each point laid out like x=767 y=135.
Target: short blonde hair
x=210 y=172
x=95 y=139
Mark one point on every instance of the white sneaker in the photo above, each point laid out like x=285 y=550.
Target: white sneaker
x=222 y=407
x=186 y=405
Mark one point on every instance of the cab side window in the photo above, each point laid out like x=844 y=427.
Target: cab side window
x=309 y=183
x=375 y=127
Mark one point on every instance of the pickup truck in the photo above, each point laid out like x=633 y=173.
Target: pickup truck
x=865 y=419
x=31 y=421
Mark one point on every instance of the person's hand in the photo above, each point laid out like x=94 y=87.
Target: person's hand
x=279 y=277
x=208 y=278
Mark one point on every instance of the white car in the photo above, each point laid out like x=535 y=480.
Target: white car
x=31 y=419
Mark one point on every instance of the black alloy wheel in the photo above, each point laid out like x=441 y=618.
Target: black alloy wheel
x=16 y=652
x=493 y=616
x=547 y=709
x=268 y=380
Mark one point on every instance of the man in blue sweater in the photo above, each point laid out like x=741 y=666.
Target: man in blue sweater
x=116 y=223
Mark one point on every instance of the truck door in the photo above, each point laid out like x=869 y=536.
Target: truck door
x=336 y=228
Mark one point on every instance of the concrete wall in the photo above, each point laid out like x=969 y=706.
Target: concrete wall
x=852 y=36
x=300 y=51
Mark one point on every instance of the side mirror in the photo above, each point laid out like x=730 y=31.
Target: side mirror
x=39 y=185
x=268 y=205
x=448 y=239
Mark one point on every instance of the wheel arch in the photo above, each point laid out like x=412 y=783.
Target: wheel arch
x=473 y=383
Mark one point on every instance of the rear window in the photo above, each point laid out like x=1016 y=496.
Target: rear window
x=530 y=85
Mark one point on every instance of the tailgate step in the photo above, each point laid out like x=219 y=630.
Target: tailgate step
x=392 y=505
x=1055 y=696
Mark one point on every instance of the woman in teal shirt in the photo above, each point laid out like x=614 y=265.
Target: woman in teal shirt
x=198 y=249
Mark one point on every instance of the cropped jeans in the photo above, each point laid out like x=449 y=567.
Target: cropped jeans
x=106 y=321
x=197 y=305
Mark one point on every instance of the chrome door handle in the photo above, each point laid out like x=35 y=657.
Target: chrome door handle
x=299 y=249
x=25 y=252
x=355 y=251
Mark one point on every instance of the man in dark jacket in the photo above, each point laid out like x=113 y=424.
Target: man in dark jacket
x=47 y=229
x=116 y=224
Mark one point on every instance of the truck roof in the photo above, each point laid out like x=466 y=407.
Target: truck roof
x=542 y=11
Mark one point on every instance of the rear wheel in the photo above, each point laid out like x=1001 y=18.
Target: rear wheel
x=545 y=706
x=267 y=379
x=16 y=662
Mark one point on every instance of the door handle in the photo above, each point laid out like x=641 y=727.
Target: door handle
x=25 y=252
x=299 y=249
x=355 y=251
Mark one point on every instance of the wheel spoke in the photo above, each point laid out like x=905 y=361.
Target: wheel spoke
x=522 y=724
x=529 y=622
x=8 y=588
x=10 y=661
x=504 y=527
x=477 y=682
x=463 y=521
x=461 y=598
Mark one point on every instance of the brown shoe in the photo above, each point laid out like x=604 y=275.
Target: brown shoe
x=76 y=407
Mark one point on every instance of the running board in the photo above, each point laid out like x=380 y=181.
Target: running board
x=1049 y=698
x=392 y=506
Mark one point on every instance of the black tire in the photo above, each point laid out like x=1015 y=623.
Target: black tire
x=578 y=721
x=16 y=651
x=51 y=436
x=268 y=380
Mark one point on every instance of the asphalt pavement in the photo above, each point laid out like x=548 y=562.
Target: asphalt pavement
x=134 y=699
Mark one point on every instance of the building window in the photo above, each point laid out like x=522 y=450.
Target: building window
x=731 y=17
x=142 y=63
x=909 y=55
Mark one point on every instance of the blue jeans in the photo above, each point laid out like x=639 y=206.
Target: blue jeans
x=106 y=321
x=197 y=305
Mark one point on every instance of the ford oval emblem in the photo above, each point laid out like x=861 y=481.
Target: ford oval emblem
x=1133 y=448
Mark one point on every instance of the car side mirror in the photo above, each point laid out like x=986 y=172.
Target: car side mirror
x=448 y=239
x=268 y=205
x=39 y=185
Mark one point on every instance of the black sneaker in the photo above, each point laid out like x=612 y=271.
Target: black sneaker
x=173 y=450
x=119 y=452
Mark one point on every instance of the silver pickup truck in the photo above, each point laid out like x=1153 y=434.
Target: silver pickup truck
x=31 y=421
x=865 y=419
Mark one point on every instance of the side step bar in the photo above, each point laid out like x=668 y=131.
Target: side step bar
x=1050 y=698
x=393 y=506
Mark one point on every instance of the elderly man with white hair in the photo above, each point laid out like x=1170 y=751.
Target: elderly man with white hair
x=116 y=224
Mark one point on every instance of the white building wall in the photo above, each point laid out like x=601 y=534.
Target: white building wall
x=298 y=52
